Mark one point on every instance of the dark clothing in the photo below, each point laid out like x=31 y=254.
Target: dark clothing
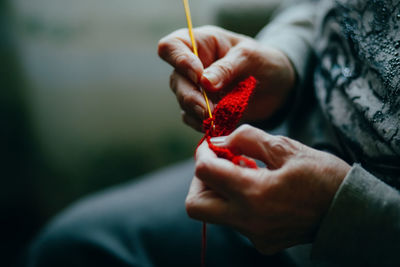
x=141 y=224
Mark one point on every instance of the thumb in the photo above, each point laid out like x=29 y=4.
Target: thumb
x=223 y=71
x=274 y=151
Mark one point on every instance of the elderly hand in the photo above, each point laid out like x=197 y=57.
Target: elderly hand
x=275 y=207
x=225 y=59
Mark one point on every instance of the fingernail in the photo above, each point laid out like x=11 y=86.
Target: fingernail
x=219 y=141
x=199 y=111
x=211 y=77
x=193 y=76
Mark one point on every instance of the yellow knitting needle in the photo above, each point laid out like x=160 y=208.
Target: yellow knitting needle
x=190 y=27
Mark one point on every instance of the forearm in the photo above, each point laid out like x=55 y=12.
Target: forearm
x=362 y=226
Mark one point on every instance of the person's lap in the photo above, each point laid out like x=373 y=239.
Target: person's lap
x=142 y=223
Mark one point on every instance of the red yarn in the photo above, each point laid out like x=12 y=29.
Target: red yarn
x=225 y=118
x=223 y=152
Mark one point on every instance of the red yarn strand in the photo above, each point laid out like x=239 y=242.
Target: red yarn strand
x=204 y=245
x=226 y=116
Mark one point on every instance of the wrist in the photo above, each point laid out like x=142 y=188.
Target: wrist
x=332 y=177
x=276 y=92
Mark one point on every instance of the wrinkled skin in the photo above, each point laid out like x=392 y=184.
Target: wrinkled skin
x=275 y=207
x=224 y=59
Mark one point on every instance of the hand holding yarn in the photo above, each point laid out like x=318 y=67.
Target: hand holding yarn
x=225 y=58
x=225 y=118
x=275 y=207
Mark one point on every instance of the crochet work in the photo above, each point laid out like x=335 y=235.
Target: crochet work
x=226 y=116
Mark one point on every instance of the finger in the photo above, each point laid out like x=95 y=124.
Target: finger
x=235 y=64
x=188 y=95
x=221 y=175
x=274 y=151
x=192 y=122
x=206 y=205
x=245 y=140
x=176 y=49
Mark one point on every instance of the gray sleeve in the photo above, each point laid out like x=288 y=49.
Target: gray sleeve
x=362 y=227
x=292 y=31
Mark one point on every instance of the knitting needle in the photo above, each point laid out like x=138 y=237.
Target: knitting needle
x=190 y=27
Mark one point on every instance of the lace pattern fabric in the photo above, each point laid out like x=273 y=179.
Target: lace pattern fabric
x=357 y=80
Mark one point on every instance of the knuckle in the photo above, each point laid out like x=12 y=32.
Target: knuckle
x=180 y=97
x=165 y=45
x=189 y=203
x=188 y=120
x=172 y=81
x=168 y=42
x=183 y=116
x=278 y=144
x=226 y=69
x=191 y=206
x=277 y=147
x=283 y=145
x=187 y=99
x=182 y=59
x=161 y=46
x=186 y=96
x=202 y=167
x=283 y=139
x=247 y=50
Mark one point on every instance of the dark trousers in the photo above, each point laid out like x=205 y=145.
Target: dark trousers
x=142 y=223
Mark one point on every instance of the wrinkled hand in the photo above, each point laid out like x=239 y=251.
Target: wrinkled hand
x=224 y=59
x=275 y=207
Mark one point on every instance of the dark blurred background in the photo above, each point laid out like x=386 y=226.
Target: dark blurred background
x=84 y=100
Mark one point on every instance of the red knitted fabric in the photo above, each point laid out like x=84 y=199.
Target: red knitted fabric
x=226 y=116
